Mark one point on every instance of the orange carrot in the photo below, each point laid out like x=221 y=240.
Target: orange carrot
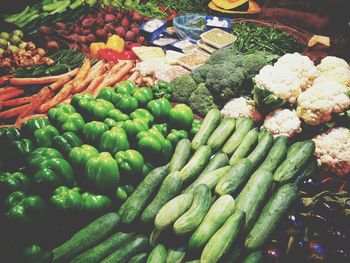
x=17 y=102
x=95 y=83
x=96 y=70
x=12 y=112
x=134 y=76
x=11 y=94
x=8 y=89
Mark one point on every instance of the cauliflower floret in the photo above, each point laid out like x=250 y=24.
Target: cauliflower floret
x=282 y=122
x=303 y=66
x=240 y=108
x=330 y=63
x=316 y=105
x=281 y=81
x=333 y=150
x=339 y=75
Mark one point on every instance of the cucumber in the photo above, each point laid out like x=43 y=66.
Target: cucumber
x=193 y=261
x=170 y=187
x=194 y=216
x=222 y=240
x=217 y=215
x=158 y=255
x=251 y=198
x=294 y=147
x=306 y=171
x=245 y=147
x=89 y=236
x=140 y=258
x=255 y=257
x=172 y=210
x=135 y=204
x=243 y=127
x=155 y=237
x=176 y=255
x=263 y=147
x=102 y=250
x=271 y=214
x=196 y=164
x=276 y=155
x=210 y=122
x=221 y=133
x=233 y=254
x=233 y=180
x=181 y=155
x=128 y=250
x=292 y=165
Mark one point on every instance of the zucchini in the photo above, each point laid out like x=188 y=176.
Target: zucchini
x=170 y=187
x=181 y=155
x=176 y=255
x=221 y=133
x=222 y=240
x=271 y=214
x=306 y=171
x=158 y=254
x=135 y=204
x=128 y=250
x=243 y=127
x=210 y=122
x=217 y=215
x=194 y=216
x=251 y=198
x=196 y=164
x=102 y=250
x=172 y=210
x=89 y=236
x=233 y=180
x=255 y=257
x=139 y=258
x=292 y=165
x=264 y=145
x=245 y=147
x=276 y=155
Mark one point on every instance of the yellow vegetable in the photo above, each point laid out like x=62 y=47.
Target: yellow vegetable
x=95 y=47
x=116 y=43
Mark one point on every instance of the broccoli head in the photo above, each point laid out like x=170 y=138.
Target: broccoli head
x=200 y=74
x=183 y=87
x=201 y=101
x=252 y=63
x=219 y=56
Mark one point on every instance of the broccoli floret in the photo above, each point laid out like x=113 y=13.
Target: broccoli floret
x=200 y=74
x=252 y=63
x=183 y=87
x=219 y=57
x=201 y=101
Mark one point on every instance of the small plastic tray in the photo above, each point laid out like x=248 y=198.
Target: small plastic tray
x=150 y=36
x=206 y=47
x=227 y=29
x=220 y=32
x=190 y=67
x=180 y=45
x=164 y=35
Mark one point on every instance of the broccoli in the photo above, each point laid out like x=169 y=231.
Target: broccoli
x=252 y=63
x=183 y=87
x=200 y=74
x=201 y=101
x=219 y=57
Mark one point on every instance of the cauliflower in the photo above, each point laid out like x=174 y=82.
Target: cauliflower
x=339 y=75
x=301 y=65
x=331 y=63
x=316 y=105
x=333 y=150
x=282 y=122
x=240 y=108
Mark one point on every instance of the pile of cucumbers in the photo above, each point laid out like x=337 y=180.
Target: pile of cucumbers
x=218 y=200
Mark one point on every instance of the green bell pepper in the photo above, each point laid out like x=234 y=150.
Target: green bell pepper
x=123 y=192
x=114 y=140
x=133 y=127
x=79 y=156
x=81 y=102
x=143 y=96
x=92 y=132
x=29 y=127
x=11 y=182
x=110 y=122
x=24 y=209
x=98 y=109
x=162 y=127
x=176 y=135
x=44 y=136
x=130 y=163
x=159 y=108
x=125 y=87
x=97 y=204
x=65 y=118
x=19 y=151
x=181 y=117
x=9 y=134
x=102 y=173
x=146 y=169
x=126 y=103
x=67 y=200
x=117 y=115
x=143 y=115
x=108 y=94
x=162 y=90
x=66 y=142
x=196 y=124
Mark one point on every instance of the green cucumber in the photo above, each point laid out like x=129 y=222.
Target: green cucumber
x=172 y=210
x=135 y=204
x=276 y=155
x=102 y=250
x=194 y=261
x=233 y=180
x=293 y=148
x=158 y=254
x=196 y=164
x=89 y=236
x=194 y=216
x=210 y=122
x=181 y=155
x=255 y=257
x=261 y=150
x=294 y=162
x=251 y=198
x=222 y=240
x=128 y=250
x=176 y=255
x=243 y=127
x=270 y=216
x=139 y=258
x=221 y=133
x=217 y=215
x=155 y=237
x=233 y=254
x=306 y=171
x=245 y=147
x=170 y=187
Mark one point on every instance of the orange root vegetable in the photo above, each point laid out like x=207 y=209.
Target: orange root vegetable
x=82 y=74
x=134 y=76
x=4 y=80
x=60 y=83
x=11 y=94
x=17 y=102
x=95 y=83
x=8 y=89
x=13 y=112
x=138 y=81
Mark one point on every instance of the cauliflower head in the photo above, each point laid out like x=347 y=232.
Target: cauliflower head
x=339 y=75
x=282 y=122
x=241 y=108
x=316 y=105
x=331 y=63
x=333 y=150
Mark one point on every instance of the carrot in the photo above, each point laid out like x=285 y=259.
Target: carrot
x=4 y=80
x=134 y=76
x=17 y=102
x=13 y=112
x=138 y=81
x=8 y=89
x=82 y=74
x=95 y=83
x=11 y=94
x=98 y=69
x=60 y=83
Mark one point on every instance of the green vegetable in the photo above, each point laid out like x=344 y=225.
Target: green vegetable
x=201 y=100
x=144 y=115
x=162 y=128
x=183 y=87
x=158 y=254
x=96 y=204
x=44 y=136
x=98 y=109
x=180 y=156
x=19 y=151
x=92 y=132
x=196 y=124
x=79 y=156
x=67 y=200
x=306 y=171
x=176 y=255
x=176 y=135
x=181 y=117
x=159 y=108
x=126 y=103
x=265 y=100
x=255 y=257
x=11 y=182
x=276 y=155
x=130 y=163
x=162 y=90
x=221 y=133
x=29 y=127
x=135 y=126
x=143 y=96
x=139 y=258
x=117 y=115
x=125 y=87
x=261 y=150
x=65 y=118
x=66 y=142
x=114 y=140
